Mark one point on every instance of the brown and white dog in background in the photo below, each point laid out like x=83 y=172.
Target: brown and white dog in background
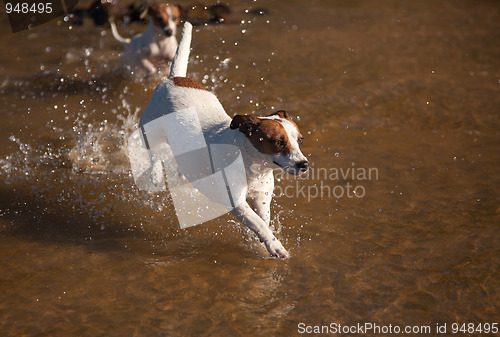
x=127 y=11
x=148 y=55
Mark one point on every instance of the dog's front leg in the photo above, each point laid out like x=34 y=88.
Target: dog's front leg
x=260 y=195
x=247 y=215
x=151 y=70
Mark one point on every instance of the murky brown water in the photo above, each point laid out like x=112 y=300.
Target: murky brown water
x=408 y=89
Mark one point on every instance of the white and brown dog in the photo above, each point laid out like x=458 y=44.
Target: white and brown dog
x=265 y=143
x=148 y=55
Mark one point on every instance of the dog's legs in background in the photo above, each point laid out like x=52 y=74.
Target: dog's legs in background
x=150 y=68
x=249 y=218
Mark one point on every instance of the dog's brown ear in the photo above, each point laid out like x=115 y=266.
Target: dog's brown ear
x=144 y=13
x=181 y=18
x=281 y=114
x=246 y=123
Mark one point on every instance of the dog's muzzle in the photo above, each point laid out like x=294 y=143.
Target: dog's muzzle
x=302 y=166
x=299 y=167
x=167 y=31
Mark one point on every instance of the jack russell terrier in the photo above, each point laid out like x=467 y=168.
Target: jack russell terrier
x=265 y=143
x=149 y=54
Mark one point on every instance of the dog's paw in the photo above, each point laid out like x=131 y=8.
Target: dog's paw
x=275 y=248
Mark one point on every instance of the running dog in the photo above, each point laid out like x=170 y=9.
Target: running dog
x=149 y=54
x=265 y=143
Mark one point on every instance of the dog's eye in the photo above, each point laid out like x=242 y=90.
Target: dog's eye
x=279 y=143
x=174 y=18
x=300 y=140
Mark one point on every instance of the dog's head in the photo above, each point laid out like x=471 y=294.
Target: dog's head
x=276 y=137
x=165 y=17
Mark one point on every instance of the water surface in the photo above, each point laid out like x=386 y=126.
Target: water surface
x=410 y=89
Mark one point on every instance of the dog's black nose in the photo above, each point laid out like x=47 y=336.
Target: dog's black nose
x=302 y=166
x=167 y=32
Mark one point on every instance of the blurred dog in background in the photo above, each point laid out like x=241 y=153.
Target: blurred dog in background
x=101 y=11
x=149 y=54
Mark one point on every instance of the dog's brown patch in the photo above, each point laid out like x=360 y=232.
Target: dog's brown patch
x=284 y=114
x=187 y=82
x=266 y=135
x=159 y=14
x=270 y=138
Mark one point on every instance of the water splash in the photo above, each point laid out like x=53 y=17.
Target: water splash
x=102 y=147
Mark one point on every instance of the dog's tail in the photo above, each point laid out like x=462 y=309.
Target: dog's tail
x=117 y=35
x=181 y=58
